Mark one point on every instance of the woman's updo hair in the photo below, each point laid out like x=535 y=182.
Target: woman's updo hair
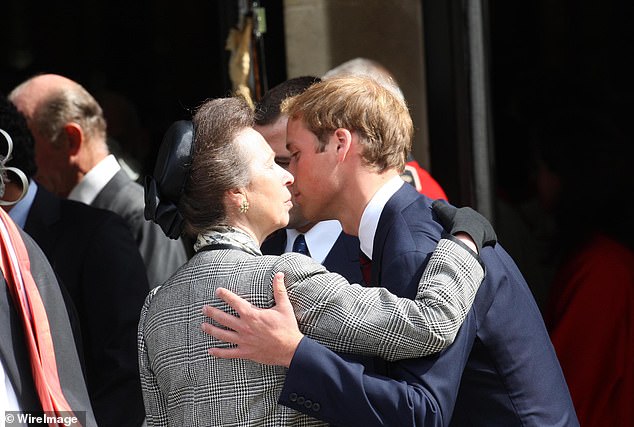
x=217 y=165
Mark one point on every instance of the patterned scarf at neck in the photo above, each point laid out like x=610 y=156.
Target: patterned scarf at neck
x=227 y=235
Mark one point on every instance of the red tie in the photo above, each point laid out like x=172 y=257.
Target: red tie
x=366 y=268
x=16 y=269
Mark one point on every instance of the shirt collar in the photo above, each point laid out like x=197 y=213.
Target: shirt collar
x=95 y=180
x=320 y=239
x=372 y=213
x=20 y=211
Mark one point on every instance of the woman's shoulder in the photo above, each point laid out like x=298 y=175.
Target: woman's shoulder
x=296 y=266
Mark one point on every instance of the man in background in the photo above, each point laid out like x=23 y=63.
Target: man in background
x=74 y=162
x=100 y=270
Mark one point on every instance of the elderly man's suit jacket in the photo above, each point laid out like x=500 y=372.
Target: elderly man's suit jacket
x=98 y=262
x=343 y=257
x=13 y=350
x=501 y=369
x=161 y=255
x=183 y=385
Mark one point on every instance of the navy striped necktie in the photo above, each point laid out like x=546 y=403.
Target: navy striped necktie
x=299 y=245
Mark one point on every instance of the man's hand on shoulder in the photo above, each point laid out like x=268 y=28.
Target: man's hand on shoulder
x=268 y=336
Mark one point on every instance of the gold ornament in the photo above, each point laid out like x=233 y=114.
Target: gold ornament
x=244 y=207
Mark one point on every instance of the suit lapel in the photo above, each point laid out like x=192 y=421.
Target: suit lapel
x=275 y=243
x=393 y=208
x=343 y=258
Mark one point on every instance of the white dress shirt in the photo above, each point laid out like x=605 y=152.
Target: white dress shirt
x=320 y=239
x=95 y=180
x=372 y=213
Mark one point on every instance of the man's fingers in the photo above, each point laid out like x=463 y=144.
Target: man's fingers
x=279 y=292
x=226 y=353
x=240 y=305
x=225 y=319
x=220 y=334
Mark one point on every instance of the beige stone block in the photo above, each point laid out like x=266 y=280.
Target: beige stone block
x=321 y=34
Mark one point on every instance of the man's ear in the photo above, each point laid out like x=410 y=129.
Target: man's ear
x=75 y=137
x=343 y=141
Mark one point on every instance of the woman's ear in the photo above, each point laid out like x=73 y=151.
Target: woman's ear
x=236 y=198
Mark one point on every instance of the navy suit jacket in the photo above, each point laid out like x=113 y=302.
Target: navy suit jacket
x=14 y=352
x=343 y=257
x=501 y=369
x=98 y=262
